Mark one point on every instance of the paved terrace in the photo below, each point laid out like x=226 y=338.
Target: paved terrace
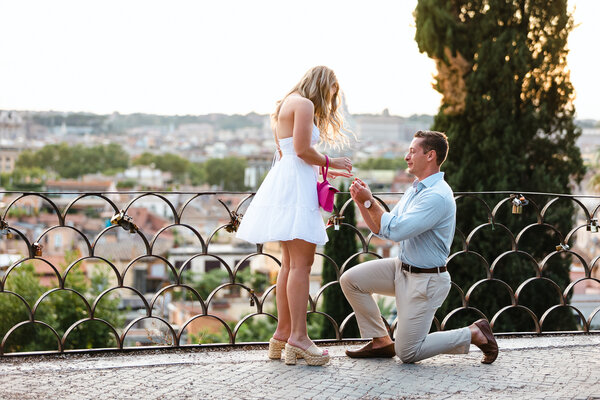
x=547 y=367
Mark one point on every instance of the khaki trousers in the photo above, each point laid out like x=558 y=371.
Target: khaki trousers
x=418 y=296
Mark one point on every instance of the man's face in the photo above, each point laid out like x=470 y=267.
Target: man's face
x=417 y=158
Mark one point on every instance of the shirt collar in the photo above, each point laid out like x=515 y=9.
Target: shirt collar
x=427 y=182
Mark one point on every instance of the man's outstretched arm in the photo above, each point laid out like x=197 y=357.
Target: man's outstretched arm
x=418 y=219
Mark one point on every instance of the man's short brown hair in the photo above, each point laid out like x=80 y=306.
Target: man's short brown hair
x=437 y=141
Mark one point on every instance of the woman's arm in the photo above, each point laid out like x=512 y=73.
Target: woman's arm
x=304 y=114
x=303 y=124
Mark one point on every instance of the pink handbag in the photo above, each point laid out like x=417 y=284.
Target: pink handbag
x=326 y=192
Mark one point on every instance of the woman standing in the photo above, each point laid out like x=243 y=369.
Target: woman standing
x=286 y=208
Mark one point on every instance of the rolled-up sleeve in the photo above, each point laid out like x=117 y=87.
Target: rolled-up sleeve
x=421 y=216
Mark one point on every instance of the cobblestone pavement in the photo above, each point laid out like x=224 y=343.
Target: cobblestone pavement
x=556 y=367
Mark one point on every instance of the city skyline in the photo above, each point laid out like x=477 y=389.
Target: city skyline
x=232 y=56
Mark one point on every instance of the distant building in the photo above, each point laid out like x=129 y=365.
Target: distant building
x=67 y=190
x=8 y=158
x=146 y=176
x=11 y=125
x=377 y=179
x=383 y=127
x=589 y=141
x=230 y=254
x=257 y=167
x=71 y=185
x=6 y=260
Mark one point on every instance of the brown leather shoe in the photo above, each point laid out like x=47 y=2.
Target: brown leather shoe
x=490 y=349
x=368 y=351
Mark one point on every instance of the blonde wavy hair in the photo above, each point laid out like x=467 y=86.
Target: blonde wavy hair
x=316 y=86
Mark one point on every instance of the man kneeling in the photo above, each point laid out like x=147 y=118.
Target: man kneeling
x=423 y=223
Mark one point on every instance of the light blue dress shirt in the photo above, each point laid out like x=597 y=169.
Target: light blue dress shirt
x=423 y=223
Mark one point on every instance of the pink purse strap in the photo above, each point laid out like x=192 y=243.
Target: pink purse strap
x=325 y=170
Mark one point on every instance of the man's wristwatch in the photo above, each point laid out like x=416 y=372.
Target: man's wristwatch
x=367 y=204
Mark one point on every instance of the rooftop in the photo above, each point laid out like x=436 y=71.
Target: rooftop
x=528 y=367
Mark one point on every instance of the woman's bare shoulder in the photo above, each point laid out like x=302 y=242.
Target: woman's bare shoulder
x=297 y=102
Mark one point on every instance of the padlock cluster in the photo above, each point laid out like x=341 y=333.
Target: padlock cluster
x=124 y=221
x=235 y=219
x=518 y=201
x=335 y=220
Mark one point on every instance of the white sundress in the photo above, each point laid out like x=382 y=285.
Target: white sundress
x=286 y=206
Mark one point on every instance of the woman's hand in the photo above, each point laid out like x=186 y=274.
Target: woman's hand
x=334 y=174
x=341 y=163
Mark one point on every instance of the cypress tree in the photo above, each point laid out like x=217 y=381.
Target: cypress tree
x=341 y=246
x=508 y=112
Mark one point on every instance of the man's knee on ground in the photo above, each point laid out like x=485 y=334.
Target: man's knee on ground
x=406 y=353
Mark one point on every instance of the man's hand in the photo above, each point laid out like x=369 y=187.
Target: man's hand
x=360 y=191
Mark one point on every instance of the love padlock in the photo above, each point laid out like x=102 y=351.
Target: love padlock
x=4 y=230
x=125 y=221
x=37 y=249
x=7 y=233
x=563 y=247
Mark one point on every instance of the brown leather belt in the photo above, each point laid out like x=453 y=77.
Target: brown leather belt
x=416 y=270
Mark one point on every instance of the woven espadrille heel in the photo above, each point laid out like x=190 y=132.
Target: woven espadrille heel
x=312 y=355
x=275 y=348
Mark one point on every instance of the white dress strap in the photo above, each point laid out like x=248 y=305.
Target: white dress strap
x=276 y=157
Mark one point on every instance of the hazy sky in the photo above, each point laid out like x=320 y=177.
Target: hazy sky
x=198 y=57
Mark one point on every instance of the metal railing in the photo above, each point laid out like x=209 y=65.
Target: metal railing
x=177 y=303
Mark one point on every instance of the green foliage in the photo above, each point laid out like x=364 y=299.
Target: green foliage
x=60 y=310
x=236 y=121
x=24 y=178
x=74 y=161
x=145 y=159
x=340 y=247
x=386 y=306
x=126 y=184
x=227 y=173
x=178 y=166
x=205 y=337
x=5 y=179
x=383 y=163
x=259 y=328
x=254 y=280
x=197 y=174
x=508 y=114
x=172 y=163
x=22 y=280
x=207 y=282
x=70 y=119
x=120 y=122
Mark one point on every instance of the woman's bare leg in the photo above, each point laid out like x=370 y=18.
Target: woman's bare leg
x=302 y=255
x=284 y=324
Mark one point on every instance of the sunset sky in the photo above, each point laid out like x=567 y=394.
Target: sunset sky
x=198 y=57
